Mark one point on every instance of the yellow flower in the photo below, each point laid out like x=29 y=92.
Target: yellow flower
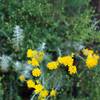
x=72 y=69
x=22 y=78
x=29 y=62
x=52 y=65
x=92 y=60
x=66 y=60
x=35 y=53
x=38 y=88
x=35 y=62
x=43 y=94
x=30 y=84
x=40 y=56
x=30 y=53
x=53 y=92
x=41 y=98
x=87 y=52
x=36 y=72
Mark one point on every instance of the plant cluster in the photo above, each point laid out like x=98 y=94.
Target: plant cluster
x=52 y=71
x=42 y=80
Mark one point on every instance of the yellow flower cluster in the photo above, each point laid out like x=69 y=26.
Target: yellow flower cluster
x=66 y=61
x=87 y=52
x=30 y=53
x=92 y=58
x=22 y=78
x=36 y=57
x=72 y=69
x=30 y=84
x=43 y=94
x=34 y=62
x=39 y=89
x=36 y=72
x=52 y=65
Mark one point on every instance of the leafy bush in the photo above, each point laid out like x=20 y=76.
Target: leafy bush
x=54 y=21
